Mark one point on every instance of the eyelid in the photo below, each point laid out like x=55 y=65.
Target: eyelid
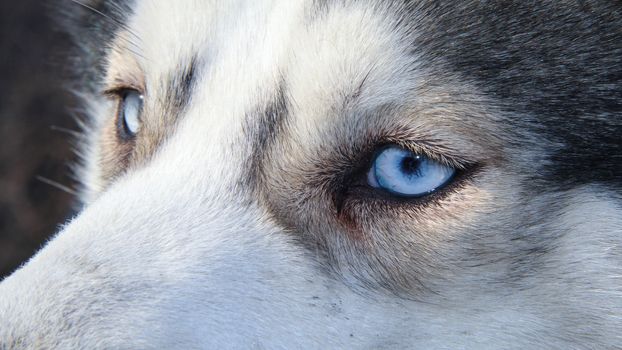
x=118 y=91
x=424 y=148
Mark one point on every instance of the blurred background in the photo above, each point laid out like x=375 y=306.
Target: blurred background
x=35 y=126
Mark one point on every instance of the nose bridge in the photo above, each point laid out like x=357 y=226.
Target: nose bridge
x=203 y=156
x=217 y=147
x=150 y=233
x=175 y=195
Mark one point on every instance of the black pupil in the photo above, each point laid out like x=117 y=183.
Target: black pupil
x=410 y=165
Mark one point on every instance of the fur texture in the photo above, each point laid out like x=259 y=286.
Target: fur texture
x=239 y=217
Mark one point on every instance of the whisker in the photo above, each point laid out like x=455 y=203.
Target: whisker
x=57 y=185
x=67 y=131
x=129 y=41
x=114 y=20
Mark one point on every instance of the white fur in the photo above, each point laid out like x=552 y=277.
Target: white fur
x=168 y=257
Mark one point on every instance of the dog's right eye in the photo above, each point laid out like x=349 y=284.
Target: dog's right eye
x=128 y=118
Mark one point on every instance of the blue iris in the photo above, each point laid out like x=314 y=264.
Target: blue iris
x=404 y=173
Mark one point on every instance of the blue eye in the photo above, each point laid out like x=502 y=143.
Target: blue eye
x=404 y=173
x=129 y=113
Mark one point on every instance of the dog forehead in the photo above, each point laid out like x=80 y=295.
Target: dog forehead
x=259 y=68
x=247 y=50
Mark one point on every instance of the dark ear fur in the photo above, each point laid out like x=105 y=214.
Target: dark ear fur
x=91 y=24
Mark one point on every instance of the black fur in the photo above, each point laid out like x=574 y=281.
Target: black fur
x=263 y=127
x=92 y=24
x=556 y=65
x=180 y=83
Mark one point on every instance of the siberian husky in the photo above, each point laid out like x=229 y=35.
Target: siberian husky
x=338 y=174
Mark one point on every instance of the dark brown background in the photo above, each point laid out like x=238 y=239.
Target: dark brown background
x=35 y=111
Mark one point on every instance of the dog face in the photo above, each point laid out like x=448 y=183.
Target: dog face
x=238 y=189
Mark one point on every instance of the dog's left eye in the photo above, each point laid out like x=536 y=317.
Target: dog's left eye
x=129 y=113
x=404 y=173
